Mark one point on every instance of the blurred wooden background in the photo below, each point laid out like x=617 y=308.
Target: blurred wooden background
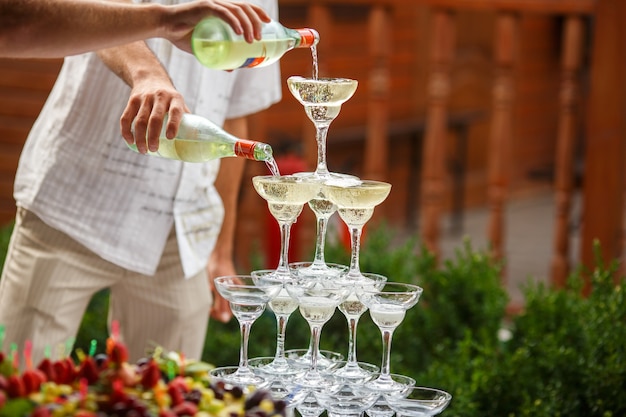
x=460 y=104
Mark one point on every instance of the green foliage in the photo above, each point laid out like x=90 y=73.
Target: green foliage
x=5 y=236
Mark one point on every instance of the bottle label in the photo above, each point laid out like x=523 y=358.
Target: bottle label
x=253 y=62
x=245 y=148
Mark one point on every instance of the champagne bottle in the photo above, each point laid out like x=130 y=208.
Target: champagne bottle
x=217 y=46
x=198 y=140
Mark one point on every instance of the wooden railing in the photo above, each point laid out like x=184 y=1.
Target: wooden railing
x=604 y=173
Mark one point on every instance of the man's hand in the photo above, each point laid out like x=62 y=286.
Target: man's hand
x=220 y=310
x=246 y=19
x=150 y=100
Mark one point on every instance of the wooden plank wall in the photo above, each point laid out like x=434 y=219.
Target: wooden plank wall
x=24 y=86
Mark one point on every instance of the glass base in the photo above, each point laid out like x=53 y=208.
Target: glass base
x=316 y=270
x=272 y=274
x=270 y=367
x=356 y=372
x=302 y=358
x=391 y=383
x=235 y=375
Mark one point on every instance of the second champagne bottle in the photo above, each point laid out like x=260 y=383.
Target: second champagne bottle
x=198 y=140
x=217 y=46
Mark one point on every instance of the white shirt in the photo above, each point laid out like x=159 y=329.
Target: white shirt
x=77 y=174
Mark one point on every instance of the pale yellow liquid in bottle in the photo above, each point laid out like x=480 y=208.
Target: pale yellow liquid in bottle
x=193 y=151
x=236 y=54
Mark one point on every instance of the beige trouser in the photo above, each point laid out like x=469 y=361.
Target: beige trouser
x=49 y=279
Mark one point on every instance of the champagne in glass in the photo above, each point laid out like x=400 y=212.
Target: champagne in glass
x=387 y=307
x=285 y=196
x=356 y=205
x=322 y=99
x=317 y=300
x=352 y=308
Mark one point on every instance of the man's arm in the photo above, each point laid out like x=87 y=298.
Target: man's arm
x=57 y=28
x=228 y=183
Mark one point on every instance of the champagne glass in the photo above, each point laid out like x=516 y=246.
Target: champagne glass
x=419 y=402
x=346 y=400
x=381 y=408
x=317 y=300
x=307 y=269
x=285 y=196
x=387 y=307
x=282 y=306
x=322 y=99
x=247 y=297
x=352 y=308
x=356 y=205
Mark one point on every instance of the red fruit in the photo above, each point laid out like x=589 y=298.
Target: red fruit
x=179 y=382
x=46 y=367
x=167 y=413
x=3 y=382
x=41 y=411
x=3 y=399
x=118 y=354
x=150 y=375
x=185 y=408
x=175 y=394
x=71 y=371
x=15 y=387
x=60 y=373
x=32 y=379
x=88 y=370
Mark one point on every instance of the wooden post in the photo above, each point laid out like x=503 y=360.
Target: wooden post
x=434 y=162
x=603 y=198
x=573 y=33
x=377 y=144
x=501 y=135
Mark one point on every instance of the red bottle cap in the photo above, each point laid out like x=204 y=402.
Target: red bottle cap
x=309 y=37
x=245 y=148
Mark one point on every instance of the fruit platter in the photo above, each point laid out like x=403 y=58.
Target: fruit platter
x=163 y=384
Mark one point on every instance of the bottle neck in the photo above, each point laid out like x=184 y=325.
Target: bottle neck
x=308 y=37
x=251 y=149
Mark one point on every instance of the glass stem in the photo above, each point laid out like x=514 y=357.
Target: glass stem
x=322 y=221
x=315 y=338
x=385 y=370
x=244 y=328
x=355 y=237
x=283 y=262
x=281 y=320
x=320 y=137
x=353 y=321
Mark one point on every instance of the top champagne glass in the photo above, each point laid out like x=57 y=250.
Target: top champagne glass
x=322 y=99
